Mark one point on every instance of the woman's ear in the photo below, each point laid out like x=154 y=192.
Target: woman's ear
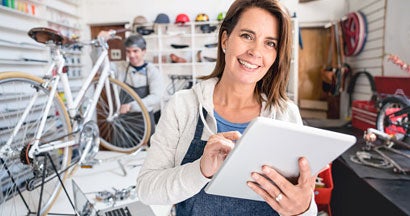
x=224 y=40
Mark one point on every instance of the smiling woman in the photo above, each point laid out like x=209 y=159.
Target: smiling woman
x=199 y=126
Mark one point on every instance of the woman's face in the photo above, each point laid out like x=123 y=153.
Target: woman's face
x=135 y=55
x=251 y=48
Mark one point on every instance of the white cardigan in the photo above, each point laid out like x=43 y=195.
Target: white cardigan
x=162 y=180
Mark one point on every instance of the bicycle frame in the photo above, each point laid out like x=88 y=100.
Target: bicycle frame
x=73 y=104
x=398 y=114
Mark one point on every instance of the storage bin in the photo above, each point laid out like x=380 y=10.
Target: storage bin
x=323 y=194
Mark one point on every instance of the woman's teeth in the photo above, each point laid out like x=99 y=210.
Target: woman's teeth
x=248 y=65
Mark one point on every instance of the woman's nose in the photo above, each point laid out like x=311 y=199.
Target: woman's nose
x=255 y=50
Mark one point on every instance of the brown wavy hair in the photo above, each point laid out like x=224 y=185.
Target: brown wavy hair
x=275 y=82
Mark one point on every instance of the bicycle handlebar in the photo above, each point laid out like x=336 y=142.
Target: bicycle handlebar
x=388 y=137
x=99 y=41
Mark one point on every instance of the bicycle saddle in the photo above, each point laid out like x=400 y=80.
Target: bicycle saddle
x=43 y=35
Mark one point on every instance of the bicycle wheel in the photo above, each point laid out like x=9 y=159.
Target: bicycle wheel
x=391 y=122
x=120 y=132
x=21 y=181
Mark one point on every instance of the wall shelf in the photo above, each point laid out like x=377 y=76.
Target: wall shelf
x=19 y=13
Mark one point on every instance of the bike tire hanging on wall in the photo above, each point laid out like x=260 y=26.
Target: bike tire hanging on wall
x=354 y=29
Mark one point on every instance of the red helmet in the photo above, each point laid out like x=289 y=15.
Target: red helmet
x=182 y=19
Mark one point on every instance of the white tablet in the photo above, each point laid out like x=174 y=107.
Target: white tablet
x=278 y=144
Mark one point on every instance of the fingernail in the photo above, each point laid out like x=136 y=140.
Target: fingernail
x=255 y=176
x=265 y=169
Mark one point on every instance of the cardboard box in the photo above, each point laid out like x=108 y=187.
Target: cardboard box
x=364 y=114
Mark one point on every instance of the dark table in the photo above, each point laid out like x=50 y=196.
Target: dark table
x=354 y=195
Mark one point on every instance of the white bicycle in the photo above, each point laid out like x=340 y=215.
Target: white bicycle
x=38 y=131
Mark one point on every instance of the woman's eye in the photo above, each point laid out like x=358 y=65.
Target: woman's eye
x=246 y=36
x=271 y=44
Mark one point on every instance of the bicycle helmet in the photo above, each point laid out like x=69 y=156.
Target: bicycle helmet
x=182 y=19
x=139 y=20
x=201 y=17
x=138 y=26
x=162 y=18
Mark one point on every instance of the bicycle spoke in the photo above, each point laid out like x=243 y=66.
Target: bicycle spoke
x=15 y=174
x=123 y=132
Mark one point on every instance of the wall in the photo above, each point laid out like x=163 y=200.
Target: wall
x=320 y=13
x=107 y=11
x=397 y=35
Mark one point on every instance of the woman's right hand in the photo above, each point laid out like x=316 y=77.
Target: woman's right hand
x=216 y=150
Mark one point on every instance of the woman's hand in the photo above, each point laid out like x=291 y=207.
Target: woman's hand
x=283 y=196
x=216 y=150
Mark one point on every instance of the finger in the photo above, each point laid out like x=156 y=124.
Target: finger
x=218 y=144
x=225 y=146
x=280 y=181
x=261 y=192
x=231 y=135
x=266 y=185
x=305 y=172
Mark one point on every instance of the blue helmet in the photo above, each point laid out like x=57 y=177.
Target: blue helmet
x=162 y=18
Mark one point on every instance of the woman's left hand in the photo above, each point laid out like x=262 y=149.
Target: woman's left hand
x=283 y=196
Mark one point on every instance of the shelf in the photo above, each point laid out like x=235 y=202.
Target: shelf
x=63 y=25
x=52 y=7
x=20 y=62
x=13 y=29
x=11 y=44
x=72 y=2
x=19 y=13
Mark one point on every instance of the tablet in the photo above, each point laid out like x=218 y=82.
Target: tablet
x=278 y=144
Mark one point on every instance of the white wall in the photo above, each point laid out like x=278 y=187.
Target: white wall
x=397 y=36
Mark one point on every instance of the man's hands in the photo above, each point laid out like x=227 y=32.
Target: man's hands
x=125 y=108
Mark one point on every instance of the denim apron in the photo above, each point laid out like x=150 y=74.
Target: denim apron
x=203 y=204
x=141 y=91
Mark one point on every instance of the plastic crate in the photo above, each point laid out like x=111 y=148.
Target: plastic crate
x=323 y=195
x=364 y=114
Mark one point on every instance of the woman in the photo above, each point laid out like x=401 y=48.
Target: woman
x=199 y=125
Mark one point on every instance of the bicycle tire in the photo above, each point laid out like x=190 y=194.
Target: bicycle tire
x=389 y=124
x=125 y=132
x=15 y=90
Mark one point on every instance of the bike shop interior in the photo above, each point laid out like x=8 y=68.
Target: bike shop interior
x=349 y=73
